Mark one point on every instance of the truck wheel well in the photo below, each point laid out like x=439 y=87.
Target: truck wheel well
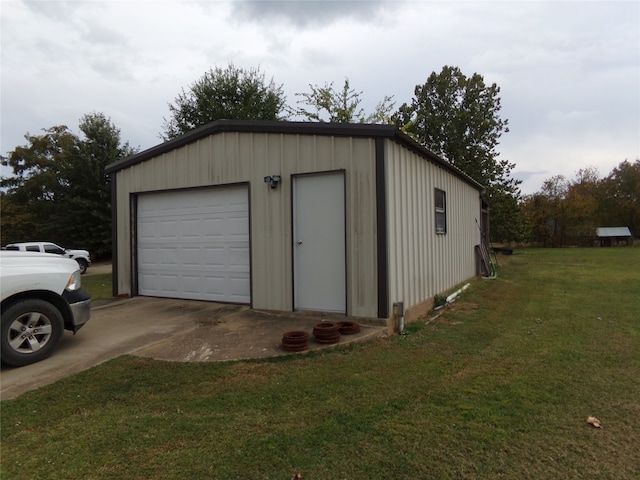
x=51 y=297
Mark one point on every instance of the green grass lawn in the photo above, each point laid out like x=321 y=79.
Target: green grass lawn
x=98 y=286
x=498 y=386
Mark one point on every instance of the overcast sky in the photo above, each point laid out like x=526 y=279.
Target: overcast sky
x=569 y=72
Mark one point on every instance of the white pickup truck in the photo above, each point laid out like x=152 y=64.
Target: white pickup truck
x=41 y=297
x=80 y=256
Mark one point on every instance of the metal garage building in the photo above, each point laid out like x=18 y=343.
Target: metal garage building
x=286 y=216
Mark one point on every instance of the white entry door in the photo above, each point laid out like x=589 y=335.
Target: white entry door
x=319 y=242
x=194 y=244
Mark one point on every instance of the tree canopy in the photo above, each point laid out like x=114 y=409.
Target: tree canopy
x=231 y=93
x=330 y=105
x=567 y=211
x=59 y=191
x=458 y=118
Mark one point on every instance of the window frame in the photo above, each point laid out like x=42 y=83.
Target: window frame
x=440 y=211
x=53 y=248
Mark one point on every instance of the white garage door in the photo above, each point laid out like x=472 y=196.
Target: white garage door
x=194 y=244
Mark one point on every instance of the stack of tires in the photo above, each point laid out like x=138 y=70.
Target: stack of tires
x=349 y=328
x=295 y=341
x=327 y=332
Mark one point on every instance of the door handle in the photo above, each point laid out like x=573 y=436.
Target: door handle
x=299 y=242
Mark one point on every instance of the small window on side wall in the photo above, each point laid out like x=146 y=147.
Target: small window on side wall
x=441 y=211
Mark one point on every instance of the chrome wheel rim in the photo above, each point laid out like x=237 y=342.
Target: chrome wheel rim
x=29 y=332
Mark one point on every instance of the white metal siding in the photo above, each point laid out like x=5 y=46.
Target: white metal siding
x=229 y=157
x=421 y=262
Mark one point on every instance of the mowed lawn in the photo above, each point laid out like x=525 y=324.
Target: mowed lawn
x=499 y=385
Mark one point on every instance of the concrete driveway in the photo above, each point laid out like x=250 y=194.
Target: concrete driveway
x=171 y=330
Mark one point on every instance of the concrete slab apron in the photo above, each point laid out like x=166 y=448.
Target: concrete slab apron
x=236 y=333
x=171 y=330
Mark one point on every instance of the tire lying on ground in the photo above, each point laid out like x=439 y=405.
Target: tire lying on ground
x=327 y=332
x=295 y=341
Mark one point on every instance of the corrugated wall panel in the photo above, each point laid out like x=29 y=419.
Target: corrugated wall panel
x=271 y=225
x=361 y=226
x=421 y=262
x=231 y=157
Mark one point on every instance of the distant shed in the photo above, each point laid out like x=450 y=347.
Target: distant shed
x=614 y=236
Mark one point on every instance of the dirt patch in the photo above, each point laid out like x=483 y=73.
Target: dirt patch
x=462 y=307
x=99 y=268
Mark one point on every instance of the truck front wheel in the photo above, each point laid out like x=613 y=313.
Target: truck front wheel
x=31 y=330
x=83 y=265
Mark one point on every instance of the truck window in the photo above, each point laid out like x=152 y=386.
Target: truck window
x=50 y=248
x=32 y=248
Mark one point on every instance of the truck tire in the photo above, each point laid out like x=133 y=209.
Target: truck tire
x=31 y=330
x=83 y=265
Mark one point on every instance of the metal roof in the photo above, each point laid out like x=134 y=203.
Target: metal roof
x=614 y=232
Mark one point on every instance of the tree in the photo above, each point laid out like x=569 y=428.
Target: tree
x=232 y=93
x=507 y=221
x=89 y=187
x=620 y=201
x=31 y=194
x=547 y=213
x=59 y=191
x=582 y=200
x=567 y=212
x=457 y=117
x=535 y=209
x=340 y=106
x=554 y=190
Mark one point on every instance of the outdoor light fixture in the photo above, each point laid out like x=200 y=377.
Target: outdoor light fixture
x=272 y=180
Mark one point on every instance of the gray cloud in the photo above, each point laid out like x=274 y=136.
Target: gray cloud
x=55 y=10
x=568 y=71
x=307 y=13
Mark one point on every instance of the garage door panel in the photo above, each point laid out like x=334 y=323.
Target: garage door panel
x=216 y=284
x=168 y=257
x=191 y=257
x=166 y=229
x=195 y=244
x=213 y=230
x=154 y=258
x=145 y=279
x=191 y=228
x=238 y=284
x=215 y=256
x=236 y=255
x=213 y=227
x=146 y=228
x=236 y=227
x=169 y=283
x=191 y=284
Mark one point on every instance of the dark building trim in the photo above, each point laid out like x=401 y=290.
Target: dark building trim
x=114 y=236
x=133 y=242
x=381 y=230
